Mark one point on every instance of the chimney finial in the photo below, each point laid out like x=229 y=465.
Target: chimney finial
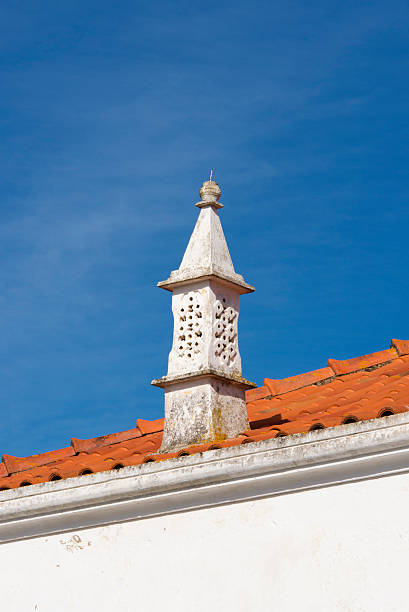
x=210 y=193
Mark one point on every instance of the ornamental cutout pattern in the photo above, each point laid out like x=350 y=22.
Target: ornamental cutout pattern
x=188 y=325
x=225 y=331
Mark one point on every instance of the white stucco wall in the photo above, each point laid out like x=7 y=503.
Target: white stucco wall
x=344 y=547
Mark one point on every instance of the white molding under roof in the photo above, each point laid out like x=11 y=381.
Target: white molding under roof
x=368 y=449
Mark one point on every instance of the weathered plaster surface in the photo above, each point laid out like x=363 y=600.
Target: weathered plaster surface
x=205 y=329
x=207 y=253
x=204 y=410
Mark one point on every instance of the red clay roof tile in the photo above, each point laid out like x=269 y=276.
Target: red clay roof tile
x=19 y=464
x=349 y=390
x=259 y=393
x=359 y=363
x=87 y=445
x=147 y=427
x=402 y=346
x=296 y=382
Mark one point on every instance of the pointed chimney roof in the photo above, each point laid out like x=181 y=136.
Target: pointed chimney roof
x=207 y=253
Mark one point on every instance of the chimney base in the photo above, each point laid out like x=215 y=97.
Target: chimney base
x=203 y=409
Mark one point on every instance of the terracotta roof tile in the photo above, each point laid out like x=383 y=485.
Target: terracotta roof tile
x=296 y=382
x=359 y=363
x=19 y=464
x=402 y=346
x=87 y=445
x=259 y=393
x=147 y=427
x=356 y=389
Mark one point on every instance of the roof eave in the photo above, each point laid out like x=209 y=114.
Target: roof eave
x=346 y=453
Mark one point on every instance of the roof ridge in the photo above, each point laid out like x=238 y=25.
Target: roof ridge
x=335 y=368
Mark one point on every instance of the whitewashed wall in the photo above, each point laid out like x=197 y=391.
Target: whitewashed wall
x=343 y=548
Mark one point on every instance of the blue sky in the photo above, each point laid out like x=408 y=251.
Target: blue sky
x=111 y=116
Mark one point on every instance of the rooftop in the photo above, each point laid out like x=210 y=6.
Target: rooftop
x=367 y=387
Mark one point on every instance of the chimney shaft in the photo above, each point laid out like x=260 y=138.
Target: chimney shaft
x=204 y=388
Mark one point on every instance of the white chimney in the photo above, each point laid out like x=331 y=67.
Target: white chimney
x=204 y=388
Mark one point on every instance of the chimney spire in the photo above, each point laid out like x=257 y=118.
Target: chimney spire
x=204 y=388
